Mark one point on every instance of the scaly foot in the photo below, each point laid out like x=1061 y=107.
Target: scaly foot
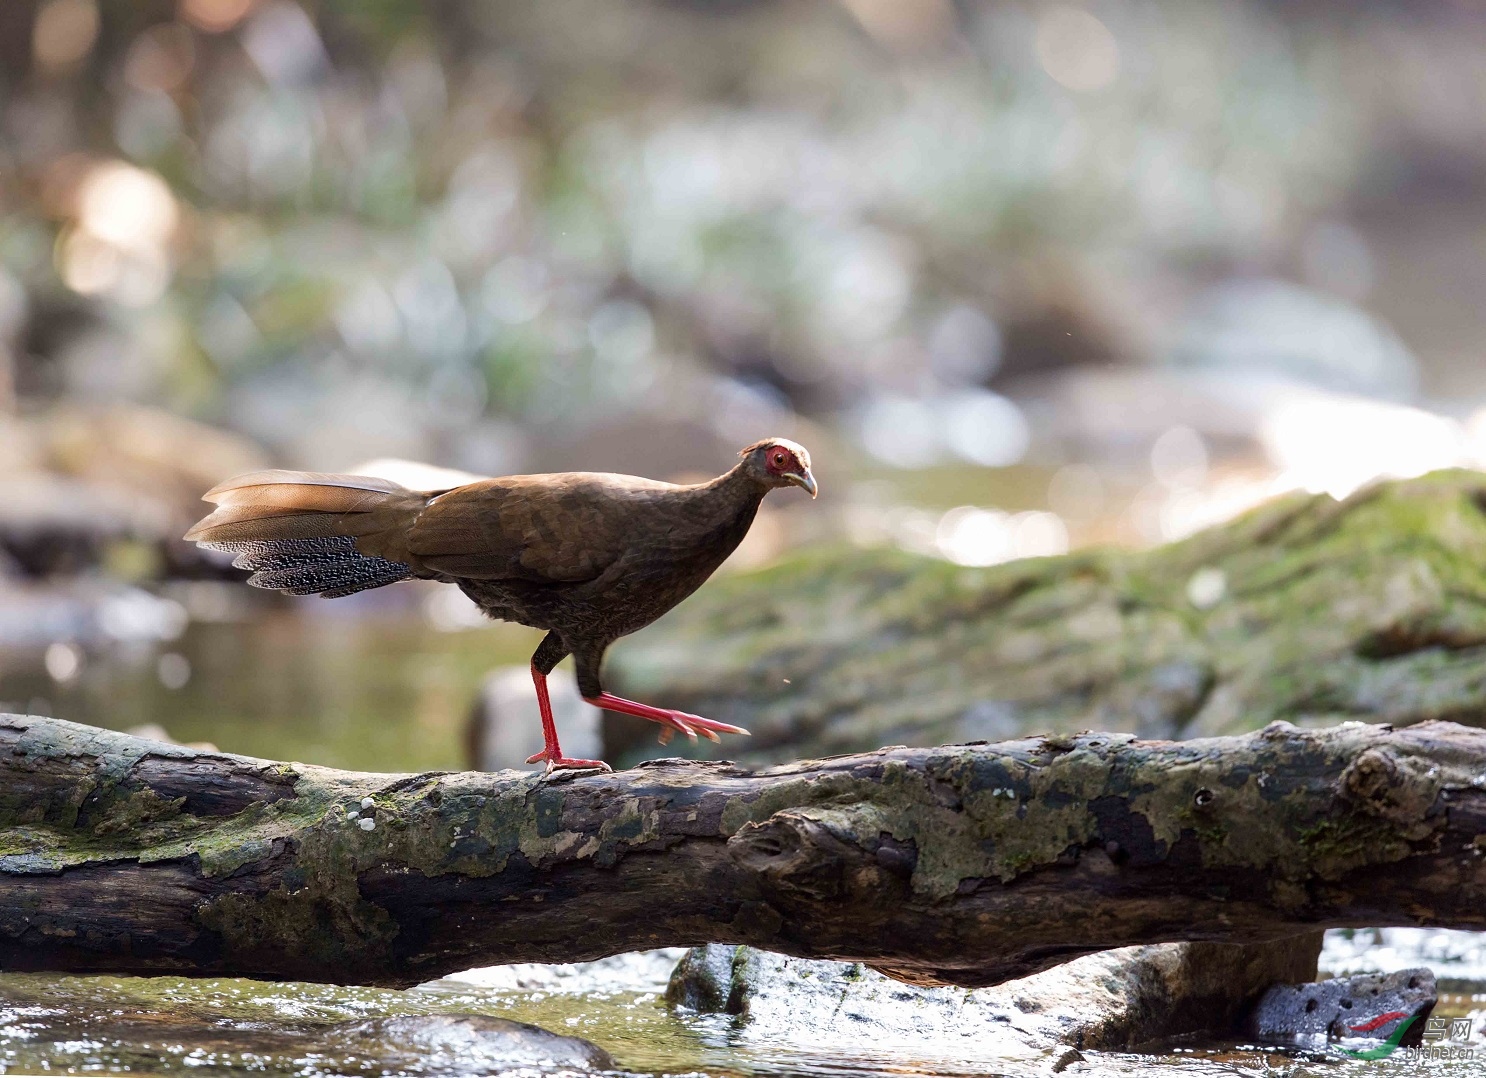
x=673 y=721
x=565 y=763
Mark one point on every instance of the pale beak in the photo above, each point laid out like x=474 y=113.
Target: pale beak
x=806 y=481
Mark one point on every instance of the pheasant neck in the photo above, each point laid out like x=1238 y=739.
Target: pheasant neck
x=733 y=492
x=730 y=502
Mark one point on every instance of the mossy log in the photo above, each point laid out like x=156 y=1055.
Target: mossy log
x=1307 y=609
x=966 y=864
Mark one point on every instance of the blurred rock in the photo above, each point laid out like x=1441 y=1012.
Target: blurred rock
x=1114 y=1000
x=1272 y=328
x=1111 y=412
x=1370 y=1005
x=1068 y=321
x=55 y=525
x=112 y=486
x=327 y=416
x=505 y=725
x=1246 y=353
x=153 y=731
x=88 y=612
x=1458 y=958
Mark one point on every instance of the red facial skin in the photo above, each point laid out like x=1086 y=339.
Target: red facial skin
x=781 y=461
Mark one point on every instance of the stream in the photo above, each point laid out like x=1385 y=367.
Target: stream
x=166 y=1025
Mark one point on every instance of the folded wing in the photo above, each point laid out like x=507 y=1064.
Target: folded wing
x=553 y=529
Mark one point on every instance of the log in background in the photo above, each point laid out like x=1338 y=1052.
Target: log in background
x=963 y=864
x=1307 y=610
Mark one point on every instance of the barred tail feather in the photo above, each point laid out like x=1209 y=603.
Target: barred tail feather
x=320 y=574
x=312 y=534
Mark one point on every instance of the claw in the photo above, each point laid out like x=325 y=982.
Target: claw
x=709 y=727
x=692 y=727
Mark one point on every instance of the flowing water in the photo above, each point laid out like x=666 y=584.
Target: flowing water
x=166 y=1025
x=390 y=688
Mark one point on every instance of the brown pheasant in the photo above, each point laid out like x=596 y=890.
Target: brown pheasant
x=587 y=556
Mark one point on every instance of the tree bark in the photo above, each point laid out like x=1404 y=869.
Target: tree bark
x=1307 y=609
x=965 y=864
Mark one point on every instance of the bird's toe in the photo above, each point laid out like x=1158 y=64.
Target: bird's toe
x=566 y=763
x=710 y=728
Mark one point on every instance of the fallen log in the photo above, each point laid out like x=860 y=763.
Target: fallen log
x=966 y=864
x=1306 y=609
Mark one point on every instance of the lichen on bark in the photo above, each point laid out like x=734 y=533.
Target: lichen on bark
x=965 y=864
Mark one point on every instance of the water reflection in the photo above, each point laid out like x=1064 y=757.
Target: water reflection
x=375 y=691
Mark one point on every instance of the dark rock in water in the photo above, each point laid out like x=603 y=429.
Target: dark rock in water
x=703 y=980
x=1371 y=1005
x=1069 y=1057
x=1113 y=1000
x=472 y=1043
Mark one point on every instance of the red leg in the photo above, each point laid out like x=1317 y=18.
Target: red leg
x=690 y=725
x=552 y=753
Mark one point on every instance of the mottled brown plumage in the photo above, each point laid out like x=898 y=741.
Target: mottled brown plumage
x=587 y=556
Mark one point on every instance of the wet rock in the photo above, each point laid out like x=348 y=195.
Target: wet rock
x=633 y=971
x=1113 y=1000
x=1068 y=1058
x=473 y=1044
x=703 y=980
x=1371 y=1005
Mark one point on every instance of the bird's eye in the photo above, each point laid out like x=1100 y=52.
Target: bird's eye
x=779 y=458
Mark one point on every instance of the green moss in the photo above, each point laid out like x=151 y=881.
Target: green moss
x=308 y=928
x=137 y=810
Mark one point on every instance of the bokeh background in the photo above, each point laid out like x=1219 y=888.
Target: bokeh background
x=1025 y=276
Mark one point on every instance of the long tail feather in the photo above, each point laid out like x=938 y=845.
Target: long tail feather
x=270 y=525
x=285 y=477
x=312 y=534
